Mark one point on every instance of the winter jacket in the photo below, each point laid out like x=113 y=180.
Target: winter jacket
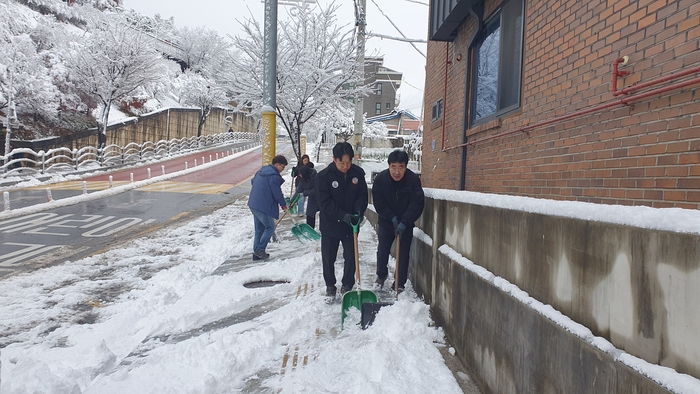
x=266 y=192
x=403 y=199
x=307 y=187
x=339 y=194
x=295 y=172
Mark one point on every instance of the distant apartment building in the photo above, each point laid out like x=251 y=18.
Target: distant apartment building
x=384 y=82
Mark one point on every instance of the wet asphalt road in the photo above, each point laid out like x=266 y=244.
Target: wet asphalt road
x=68 y=233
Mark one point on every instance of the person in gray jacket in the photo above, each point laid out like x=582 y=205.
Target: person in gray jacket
x=265 y=197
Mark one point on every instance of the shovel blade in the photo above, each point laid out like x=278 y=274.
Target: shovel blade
x=305 y=233
x=355 y=299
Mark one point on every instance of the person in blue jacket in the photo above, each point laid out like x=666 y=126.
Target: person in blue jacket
x=398 y=198
x=265 y=196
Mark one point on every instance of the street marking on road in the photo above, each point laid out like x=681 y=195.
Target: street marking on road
x=186 y=187
x=163 y=186
x=132 y=221
x=29 y=250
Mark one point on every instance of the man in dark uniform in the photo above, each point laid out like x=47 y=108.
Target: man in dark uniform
x=342 y=199
x=398 y=197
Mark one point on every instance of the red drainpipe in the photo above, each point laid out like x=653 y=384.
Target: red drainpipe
x=621 y=102
x=444 y=94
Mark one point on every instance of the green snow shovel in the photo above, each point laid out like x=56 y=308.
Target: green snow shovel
x=303 y=232
x=356 y=298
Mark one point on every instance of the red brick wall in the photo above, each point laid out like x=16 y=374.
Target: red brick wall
x=644 y=154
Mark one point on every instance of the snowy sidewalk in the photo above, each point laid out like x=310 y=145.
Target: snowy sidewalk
x=170 y=313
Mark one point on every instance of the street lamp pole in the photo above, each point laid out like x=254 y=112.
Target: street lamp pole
x=8 y=131
x=360 y=21
x=269 y=116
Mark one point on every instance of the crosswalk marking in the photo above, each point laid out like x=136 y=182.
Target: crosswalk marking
x=29 y=250
x=164 y=186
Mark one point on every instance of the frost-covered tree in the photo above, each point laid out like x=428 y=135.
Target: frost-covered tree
x=33 y=91
x=204 y=50
x=112 y=63
x=375 y=130
x=198 y=91
x=315 y=64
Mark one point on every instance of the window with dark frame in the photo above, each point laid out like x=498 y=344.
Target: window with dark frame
x=379 y=89
x=388 y=106
x=497 y=64
x=378 y=108
x=437 y=110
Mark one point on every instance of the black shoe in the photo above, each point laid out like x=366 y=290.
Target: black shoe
x=399 y=291
x=379 y=283
x=330 y=291
x=344 y=289
x=260 y=256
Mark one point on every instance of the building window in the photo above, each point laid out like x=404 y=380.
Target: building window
x=388 y=106
x=498 y=64
x=378 y=108
x=379 y=89
x=437 y=110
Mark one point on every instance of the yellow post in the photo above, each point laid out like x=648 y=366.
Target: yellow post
x=302 y=142
x=269 y=125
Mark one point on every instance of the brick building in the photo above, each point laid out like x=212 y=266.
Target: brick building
x=522 y=98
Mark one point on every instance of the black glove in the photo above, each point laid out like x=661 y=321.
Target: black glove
x=395 y=221
x=347 y=218
x=399 y=229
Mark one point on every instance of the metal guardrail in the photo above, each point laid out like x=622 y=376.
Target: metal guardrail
x=25 y=161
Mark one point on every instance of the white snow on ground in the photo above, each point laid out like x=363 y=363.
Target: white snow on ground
x=156 y=316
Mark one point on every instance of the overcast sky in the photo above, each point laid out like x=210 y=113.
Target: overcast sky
x=410 y=17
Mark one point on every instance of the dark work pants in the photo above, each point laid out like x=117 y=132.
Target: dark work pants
x=329 y=252
x=386 y=239
x=311 y=220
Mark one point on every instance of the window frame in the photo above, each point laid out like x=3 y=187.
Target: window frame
x=508 y=51
x=378 y=88
x=437 y=110
x=378 y=108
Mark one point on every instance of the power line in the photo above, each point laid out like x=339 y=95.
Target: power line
x=397 y=29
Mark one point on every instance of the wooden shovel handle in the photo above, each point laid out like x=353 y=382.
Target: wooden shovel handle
x=396 y=270
x=357 y=260
x=282 y=217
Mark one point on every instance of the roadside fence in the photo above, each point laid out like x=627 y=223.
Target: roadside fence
x=25 y=161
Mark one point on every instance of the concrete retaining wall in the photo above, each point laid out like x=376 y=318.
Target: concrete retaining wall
x=637 y=288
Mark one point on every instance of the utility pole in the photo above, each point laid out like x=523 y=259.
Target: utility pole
x=361 y=23
x=269 y=114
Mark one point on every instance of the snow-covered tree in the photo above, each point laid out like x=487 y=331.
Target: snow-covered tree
x=112 y=63
x=33 y=91
x=198 y=91
x=375 y=130
x=204 y=50
x=315 y=65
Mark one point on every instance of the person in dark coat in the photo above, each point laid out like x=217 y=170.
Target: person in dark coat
x=305 y=161
x=398 y=198
x=265 y=196
x=342 y=199
x=307 y=187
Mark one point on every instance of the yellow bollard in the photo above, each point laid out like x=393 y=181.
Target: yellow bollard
x=269 y=125
x=302 y=143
